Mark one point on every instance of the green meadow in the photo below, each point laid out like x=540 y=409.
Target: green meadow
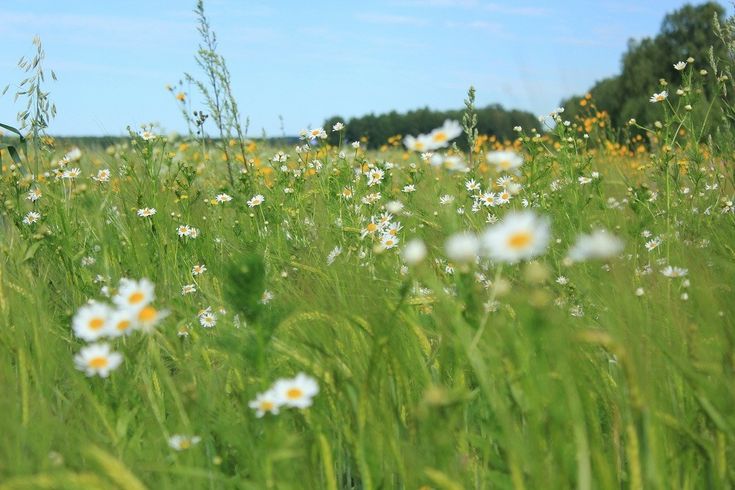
x=447 y=310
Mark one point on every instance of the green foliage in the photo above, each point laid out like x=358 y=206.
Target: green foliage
x=245 y=284
x=687 y=32
x=12 y=148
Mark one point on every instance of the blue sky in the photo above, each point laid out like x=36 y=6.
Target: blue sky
x=307 y=61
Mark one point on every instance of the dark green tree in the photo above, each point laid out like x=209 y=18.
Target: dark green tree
x=687 y=32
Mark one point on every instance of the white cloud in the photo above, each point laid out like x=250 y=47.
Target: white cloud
x=481 y=25
x=375 y=18
x=515 y=10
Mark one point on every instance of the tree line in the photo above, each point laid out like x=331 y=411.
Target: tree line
x=684 y=34
x=377 y=129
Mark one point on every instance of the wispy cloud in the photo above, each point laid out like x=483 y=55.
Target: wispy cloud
x=99 y=29
x=375 y=18
x=515 y=10
x=498 y=8
x=480 y=25
x=437 y=3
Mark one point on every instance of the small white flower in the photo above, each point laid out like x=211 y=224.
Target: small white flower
x=71 y=174
x=102 y=175
x=600 y=244
x=266 y=402
x=91 y=321
x=266 y=297
x=97 y=359
x=147 y=135
x=446 y=199
x=414 y=251
x=34 y=194
x=134 y=295
x=181 y=442
x=670 y=271
x=333 y=254
x=31 y=217
x=256 y=200
x=394 y=207
x=388 y=241
x=584 y=180
x=207 y=318
x=520 y=236
x=462 y=247
x=296 y=392
x=660 y=97
x=505 y=161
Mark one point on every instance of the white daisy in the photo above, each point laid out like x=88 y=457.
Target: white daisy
x=265 y=402
x=414 y=251
x=521 y=235
x=91 y=321
x=31 y=217
x=601 y=244
x=296 y=392
x=670 y=271
x=97 y=359
x=462 y=247
x=505 y=160
x=180 y=442
x=660 y=97
x=134 y=295
x=121 y=322
x=256 y=200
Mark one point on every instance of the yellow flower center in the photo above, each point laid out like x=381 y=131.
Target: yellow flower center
x=520 y=240
x=372 y=227
x=98 y=362
x=266 y=406
x=294 y=394
x=136 y=297
x=96 y=323
x=123 y=325
x=147 y=314
x=185 y=444
x=504 y=164
x=440 y=137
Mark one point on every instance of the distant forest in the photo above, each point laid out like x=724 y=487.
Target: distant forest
x=493 y=119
